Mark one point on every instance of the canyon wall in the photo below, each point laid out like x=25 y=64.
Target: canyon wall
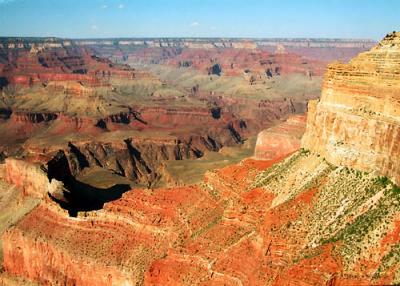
x=140 y=160
x=300 y=221
x=37 y=259
x=356 y=123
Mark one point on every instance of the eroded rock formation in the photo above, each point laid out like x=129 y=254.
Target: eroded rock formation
x=31 y=179
x=56 y=94
x=257 y=222
x=62 y=67
x=262 y=65
x=356 y=122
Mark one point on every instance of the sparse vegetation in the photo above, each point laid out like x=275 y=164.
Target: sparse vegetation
x=304 y=152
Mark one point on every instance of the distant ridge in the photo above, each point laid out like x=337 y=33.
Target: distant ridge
x=28 y=42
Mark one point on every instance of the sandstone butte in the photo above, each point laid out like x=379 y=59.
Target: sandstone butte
x=320 y=216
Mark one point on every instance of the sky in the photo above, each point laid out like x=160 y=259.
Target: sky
x=367 y=19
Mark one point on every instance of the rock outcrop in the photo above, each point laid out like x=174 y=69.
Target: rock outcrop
x=31 y=179
x=356 y=123
x=280 y=140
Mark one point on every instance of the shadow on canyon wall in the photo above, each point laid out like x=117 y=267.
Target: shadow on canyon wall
x=80 y=196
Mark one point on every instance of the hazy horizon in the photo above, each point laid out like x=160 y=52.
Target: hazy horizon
x=184 y=38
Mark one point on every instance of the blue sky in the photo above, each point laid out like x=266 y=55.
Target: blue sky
x=200 y=18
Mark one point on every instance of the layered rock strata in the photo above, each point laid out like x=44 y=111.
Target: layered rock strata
x=70 y=69
x=356 y=123
x=297 y=222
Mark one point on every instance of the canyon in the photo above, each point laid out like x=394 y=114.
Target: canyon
x=121 y=107
x=194 y=171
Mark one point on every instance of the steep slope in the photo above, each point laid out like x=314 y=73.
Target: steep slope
x=356 y=122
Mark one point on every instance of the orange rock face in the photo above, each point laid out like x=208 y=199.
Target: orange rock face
x=280 y=140
x=356 y=123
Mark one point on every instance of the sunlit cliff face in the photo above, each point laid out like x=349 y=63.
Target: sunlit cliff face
x=356 y=122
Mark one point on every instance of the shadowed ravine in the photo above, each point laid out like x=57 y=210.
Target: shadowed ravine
x=79 y=196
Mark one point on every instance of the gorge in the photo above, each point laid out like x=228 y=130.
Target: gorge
x=103 y=194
